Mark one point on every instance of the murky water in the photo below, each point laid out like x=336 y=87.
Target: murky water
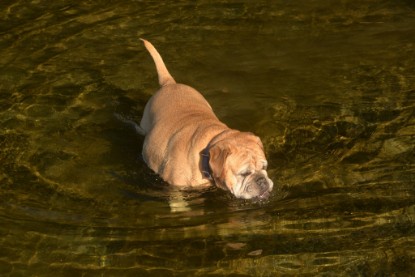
x=328 y=85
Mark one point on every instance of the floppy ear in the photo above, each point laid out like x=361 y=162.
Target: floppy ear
x=218 y=155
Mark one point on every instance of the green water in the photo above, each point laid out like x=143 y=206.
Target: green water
x=329 y=86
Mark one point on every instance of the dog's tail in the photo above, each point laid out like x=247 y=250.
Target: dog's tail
x=164 y=76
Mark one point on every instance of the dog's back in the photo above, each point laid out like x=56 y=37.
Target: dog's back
x=172 y=101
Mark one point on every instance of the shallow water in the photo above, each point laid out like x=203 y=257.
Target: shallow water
x=328 y=86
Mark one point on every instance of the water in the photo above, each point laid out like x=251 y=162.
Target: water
x=329 y=87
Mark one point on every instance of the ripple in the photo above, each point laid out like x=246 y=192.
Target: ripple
x=329 y=89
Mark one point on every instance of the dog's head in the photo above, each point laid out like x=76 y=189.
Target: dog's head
x=238 y=164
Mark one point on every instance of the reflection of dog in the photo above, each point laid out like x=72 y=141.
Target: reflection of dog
x=187 y=145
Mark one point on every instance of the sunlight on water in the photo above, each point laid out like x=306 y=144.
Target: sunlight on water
x=329 y=88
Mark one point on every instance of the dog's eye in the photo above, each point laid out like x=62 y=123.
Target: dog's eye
x=245 y=173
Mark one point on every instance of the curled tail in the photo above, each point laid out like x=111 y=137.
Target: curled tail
x=164 y=76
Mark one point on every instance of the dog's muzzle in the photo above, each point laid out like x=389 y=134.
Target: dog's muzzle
x=259 y=187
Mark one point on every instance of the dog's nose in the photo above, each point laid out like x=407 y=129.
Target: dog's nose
x=263 y=186
x=262 y=182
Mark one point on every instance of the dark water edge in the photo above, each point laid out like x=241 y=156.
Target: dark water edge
x=329 y=87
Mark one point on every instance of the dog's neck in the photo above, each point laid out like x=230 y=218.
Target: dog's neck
x=206 y=170
x=205 y=156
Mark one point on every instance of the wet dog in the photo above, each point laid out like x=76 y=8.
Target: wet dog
x=187 y=145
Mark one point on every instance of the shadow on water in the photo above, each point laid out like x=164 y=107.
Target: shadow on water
x=328 y=87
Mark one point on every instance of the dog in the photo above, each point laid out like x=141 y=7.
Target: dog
x=187 y=145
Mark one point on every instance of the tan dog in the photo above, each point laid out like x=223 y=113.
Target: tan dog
x=187 y=145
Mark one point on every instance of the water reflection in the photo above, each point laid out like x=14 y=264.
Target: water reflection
x=328 y=87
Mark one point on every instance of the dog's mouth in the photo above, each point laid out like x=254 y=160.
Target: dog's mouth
x=265 y=195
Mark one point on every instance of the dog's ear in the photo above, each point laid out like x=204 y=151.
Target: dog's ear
x=217 y=157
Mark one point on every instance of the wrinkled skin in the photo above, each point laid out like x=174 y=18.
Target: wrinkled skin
x=238 y=164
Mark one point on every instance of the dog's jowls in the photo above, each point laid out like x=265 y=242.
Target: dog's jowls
x=188 y=146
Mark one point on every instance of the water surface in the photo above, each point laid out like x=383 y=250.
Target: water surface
x=328 y=86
